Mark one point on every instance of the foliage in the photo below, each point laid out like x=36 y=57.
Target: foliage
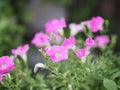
x=11 y=32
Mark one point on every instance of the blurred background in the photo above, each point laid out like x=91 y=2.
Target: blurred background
x=21 y=19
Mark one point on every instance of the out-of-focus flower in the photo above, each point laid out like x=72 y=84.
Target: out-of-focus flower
x=82 y=53
x=54 y=25
x=87 y=23
x=101 y=41
x=40 y=39
x=75 y=28
x=57 y=53
x=96 y=23
x=54 y=28
x=69 y=43
x=70 y=87
x=38 y=65
x=89 y=42
x=21 y=51
x=6 y=66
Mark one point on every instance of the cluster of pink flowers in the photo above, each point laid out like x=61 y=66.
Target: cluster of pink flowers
x=53 y=33
x=57 y=53
x=95 y=24
x=60 y=52
x=6 y=66
x=84 y=52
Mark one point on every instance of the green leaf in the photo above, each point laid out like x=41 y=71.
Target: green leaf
x=109 y=84
x=115 y=75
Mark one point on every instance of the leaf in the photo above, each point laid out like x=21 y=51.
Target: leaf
x=116 y=75
x=109 y=84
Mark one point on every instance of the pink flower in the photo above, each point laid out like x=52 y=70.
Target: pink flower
x=96 y=23
x=21 y=51
x=54 y=25
x=57 y=53
x=69 y=43
x=89 y=42
x=40 y=40
x=101 y=41
x=82 y=53
x=6 y=66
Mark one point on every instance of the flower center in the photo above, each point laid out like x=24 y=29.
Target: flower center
x=4 y=66
x=57 y=55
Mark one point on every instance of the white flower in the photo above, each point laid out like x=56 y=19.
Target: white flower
x=38 y=65
x=75 y=28
x=69 y=86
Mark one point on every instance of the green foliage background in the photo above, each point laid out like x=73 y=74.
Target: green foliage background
x=11 y=31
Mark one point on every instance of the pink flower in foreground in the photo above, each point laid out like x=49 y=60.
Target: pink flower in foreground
x=6 y=66
x=40 y=39
x=54 y=25
x=82 y=53
x=101 y=41
x=69 y=43
x=57 y=53
x=21 y=51
x=96 y=23
x=89 y=42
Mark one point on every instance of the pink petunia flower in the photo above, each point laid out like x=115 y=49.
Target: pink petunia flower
x=96 y=23
x=40 y=39
x=101 y=41
x=57 y=53
x=6 y=65
x=89 y=42
x=69 y=43
x=21 y=51
x=82 y=53
x=54 y=25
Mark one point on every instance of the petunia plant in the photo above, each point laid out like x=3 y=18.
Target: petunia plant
x=73 y=63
